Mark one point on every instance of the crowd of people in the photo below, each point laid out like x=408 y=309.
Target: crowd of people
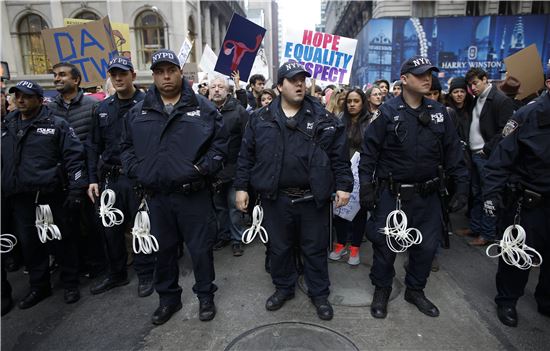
x=199 y=161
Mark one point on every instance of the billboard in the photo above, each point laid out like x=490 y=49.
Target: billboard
x=454 y=44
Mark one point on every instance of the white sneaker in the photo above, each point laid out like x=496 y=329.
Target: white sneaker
x=339 y=251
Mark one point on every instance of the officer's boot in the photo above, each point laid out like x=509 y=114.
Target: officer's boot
x=379 y=305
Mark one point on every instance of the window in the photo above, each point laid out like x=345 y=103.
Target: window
x=473 y=8
x=508 y=7
x=32 y=46
x=423 y=8
x=150 y=36
x=540 y=7
x=87 y=15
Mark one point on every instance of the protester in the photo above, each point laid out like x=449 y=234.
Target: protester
x=374 y=99
x=384 y=87
x=491 y=110
x=356 y=118
x=265 y=98
x=396 y=88
x=511 y=88
x=235 y=117
x=257 y=84
x=294 y=155
x=337 y=102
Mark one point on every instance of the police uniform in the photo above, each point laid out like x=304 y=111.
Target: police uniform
x=104 y=143
x=524 y=156
x=402 y=150
x=283 y=162
x=40 y=157
x=170 y=155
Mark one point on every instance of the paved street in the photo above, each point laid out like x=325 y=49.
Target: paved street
x=463 y=290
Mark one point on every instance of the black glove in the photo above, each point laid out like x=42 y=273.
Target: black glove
x=73 y=199
x=367 y=196
x=458 y=201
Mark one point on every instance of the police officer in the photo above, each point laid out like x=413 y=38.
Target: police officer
x=104 y=142
x=402 y=151
x=524 y=157
x=171 y=141
x=235 y=117
x=294 y=154
x=40 y=152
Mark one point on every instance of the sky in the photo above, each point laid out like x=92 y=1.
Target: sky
x=300 y=13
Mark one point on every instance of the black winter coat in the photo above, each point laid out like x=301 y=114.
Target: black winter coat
x=79 y=113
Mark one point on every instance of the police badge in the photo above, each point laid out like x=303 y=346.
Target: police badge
x=509 y=128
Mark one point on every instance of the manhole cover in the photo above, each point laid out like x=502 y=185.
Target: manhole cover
x=350 y=286
x=291 y=336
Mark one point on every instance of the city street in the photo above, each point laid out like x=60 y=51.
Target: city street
x=463 y=290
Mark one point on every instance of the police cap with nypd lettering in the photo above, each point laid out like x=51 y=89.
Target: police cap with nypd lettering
x=123 y=63
x=164 y=55
x=28 y=87
x=418 y=65
x=289 y=70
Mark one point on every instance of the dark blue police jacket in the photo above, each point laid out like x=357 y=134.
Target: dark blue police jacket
x=261 y=156
x=104 y=136
x=48 y=156
x=524 y=152
x=161 y=150
x=397 y=143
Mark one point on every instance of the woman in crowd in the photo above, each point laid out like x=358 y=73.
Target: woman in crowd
x=374 y=99
x=356 y=117
x=384 y=87
x=265 y=98
x=337 y=102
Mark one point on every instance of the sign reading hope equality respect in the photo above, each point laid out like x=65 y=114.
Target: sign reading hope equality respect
x=89 y=46
x=326 y=56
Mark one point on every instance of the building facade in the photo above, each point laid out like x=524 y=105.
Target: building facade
x=152 y=26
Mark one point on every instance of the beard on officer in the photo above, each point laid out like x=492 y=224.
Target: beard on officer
x=294 y=155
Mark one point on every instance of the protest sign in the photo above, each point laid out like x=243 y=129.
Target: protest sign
x=185 y=50
x=327 y=57
x=260 y=65
x=89 y=46
x=525 y=65
x=190 y=72
x=121 y=34
x=239 y=48
x=208 y=60
x=349 y=211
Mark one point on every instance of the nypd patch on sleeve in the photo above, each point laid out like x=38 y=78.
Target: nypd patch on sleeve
x=509 y=128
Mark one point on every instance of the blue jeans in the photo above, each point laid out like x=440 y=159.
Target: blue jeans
x=480 y=223
x=229 y=218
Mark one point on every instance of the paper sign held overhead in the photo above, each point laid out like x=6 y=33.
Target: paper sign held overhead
x=208 y=60
x=525 y=65
x=89 y=46
x=326 y=56
x=239 y=48
x=185 y=51
x=121 y=34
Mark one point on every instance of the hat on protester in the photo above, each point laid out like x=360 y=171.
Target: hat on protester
x=28 y=87
x=290 y=69
x=418 y=65
x=164 y=55
x=458 y=83
x=510 y=86
x=436 y=84
x=123 y=63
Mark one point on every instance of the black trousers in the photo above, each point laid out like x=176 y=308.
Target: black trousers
x=115 y=240
x=352 y=231
x=35 y=253
x=423 y=213
x=511 y=281
x=306 y=224
x=191 y=217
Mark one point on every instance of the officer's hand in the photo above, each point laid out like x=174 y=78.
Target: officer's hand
x=458 y=201
x=342 y=198
x=73 y=200
x=93 y=191
x=490 y=208
x=241 y=200
x=367 y=196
